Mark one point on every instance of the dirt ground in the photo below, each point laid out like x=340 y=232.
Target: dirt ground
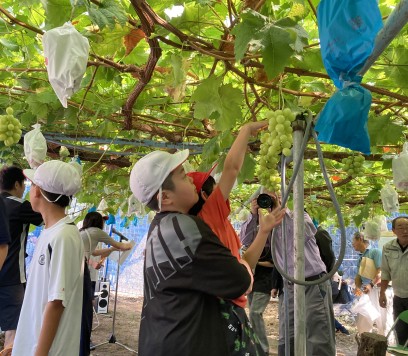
x=127 y=329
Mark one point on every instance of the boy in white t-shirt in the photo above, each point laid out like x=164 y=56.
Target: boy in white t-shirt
x=50 y=320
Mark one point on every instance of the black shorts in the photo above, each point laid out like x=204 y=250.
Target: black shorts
x=11 y=301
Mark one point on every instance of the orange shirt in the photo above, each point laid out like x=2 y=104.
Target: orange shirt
x=215 y=212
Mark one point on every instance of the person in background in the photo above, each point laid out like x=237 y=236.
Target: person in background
x=369 y=286
x=336 y=287
x=4 y=234
x=320 y=332
x=91 y=234
x=50 y=318
x=20 y=215
x=260 y=296
x=394 y=268
x=325 y=244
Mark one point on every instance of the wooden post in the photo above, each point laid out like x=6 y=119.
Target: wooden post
x=372 y=344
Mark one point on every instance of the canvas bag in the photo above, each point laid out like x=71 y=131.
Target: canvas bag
x=367 y=268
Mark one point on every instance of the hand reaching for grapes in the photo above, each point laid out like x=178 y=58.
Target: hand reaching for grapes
x=255 y=126
x=269 y=221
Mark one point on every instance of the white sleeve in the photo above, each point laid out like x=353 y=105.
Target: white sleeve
x=66 y=266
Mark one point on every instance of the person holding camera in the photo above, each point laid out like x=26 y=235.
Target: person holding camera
x=260 y=296
x=320 y=332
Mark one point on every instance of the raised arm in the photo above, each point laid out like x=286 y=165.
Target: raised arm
x=249 y=228
x=266 y=224
x=235 y=157
x=102 y=236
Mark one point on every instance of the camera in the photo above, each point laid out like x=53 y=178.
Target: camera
x=265 y=201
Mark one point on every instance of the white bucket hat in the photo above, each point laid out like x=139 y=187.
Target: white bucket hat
x=149 y=173
x=55 y=177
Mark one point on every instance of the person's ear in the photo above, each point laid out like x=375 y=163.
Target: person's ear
x=36 y=191
x=167 y=197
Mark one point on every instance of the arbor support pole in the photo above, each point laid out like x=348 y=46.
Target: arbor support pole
x=299 y=235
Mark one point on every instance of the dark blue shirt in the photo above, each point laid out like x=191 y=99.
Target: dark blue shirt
x=4 y=229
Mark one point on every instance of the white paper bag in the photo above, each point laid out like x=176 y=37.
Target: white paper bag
x=400 y=169
x=35 y=147
x=66 y=52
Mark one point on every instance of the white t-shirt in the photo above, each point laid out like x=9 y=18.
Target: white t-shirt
x=56 y=273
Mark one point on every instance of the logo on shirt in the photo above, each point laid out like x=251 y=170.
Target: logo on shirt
x=41 y=260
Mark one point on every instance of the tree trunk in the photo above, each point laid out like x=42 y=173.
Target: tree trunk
x=372 y=344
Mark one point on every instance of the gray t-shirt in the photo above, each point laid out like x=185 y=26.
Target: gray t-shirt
x=91 y=237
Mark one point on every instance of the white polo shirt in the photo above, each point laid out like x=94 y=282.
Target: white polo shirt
x=56 y=273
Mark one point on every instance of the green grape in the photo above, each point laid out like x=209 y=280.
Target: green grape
x=354 y=165
x=273 y=143
x=10 y=128
x=287 y=151
x=280 y=119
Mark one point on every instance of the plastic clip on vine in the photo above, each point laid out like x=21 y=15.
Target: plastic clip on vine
x=285 y=196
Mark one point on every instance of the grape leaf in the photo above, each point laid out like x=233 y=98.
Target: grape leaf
x=107 y=13
x=207 y=98
x=231 y=109
x=383 y=131
x=131 y=40
x=399 y=72
x=57 y=12
x=247 y=170
x=39 y=109
x=246 y=31
x=364 y=212
x=277 y=51
x=218 y=102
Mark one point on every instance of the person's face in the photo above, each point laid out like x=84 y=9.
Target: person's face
x=358 y=245
x=401 y=230
x=276 y=196
x=184 y=195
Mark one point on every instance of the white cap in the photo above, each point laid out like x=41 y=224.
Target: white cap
x=55 y=177
x=149 y=173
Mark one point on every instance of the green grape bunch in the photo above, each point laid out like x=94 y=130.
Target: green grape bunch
x=354 y=165
x=278 y=140
x=10 y=128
